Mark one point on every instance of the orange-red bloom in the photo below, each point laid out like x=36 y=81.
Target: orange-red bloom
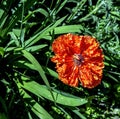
x=78 y=58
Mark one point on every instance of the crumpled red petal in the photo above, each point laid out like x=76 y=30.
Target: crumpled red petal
x=78 y=59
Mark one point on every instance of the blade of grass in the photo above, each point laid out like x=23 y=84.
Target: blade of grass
x=68 y=29
x=112 y=77
x=22 y=33
x=37 y=109
x=14 y=37
x=38 y=67
x=2 y=51
x=79 y=114
x=75 y=11
x=60 y=97
x=51 y=72
x=43 y=33
x=61 y=6
x=36 y=47
x=92 y=12
x=13 y=19
x=40 y=10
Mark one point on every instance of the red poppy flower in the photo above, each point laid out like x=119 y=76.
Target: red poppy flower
x=78 y=58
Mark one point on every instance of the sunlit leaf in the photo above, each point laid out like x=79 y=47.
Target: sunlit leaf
x=36 y=107
x=61 y=98
x=1 y=51
x=38 y=67
x=68 y=29
x=36 y=47
x=77 y=112
x=41 y=34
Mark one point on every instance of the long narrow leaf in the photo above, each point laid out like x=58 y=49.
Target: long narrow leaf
x=61 y=98
x=38 y=67
x=36 y=47
x=68 y=29
x=42 y=34
x=79 y=114
x=12 y=20
x=37 y=109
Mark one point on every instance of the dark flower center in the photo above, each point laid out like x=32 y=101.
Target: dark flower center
x=78 y=59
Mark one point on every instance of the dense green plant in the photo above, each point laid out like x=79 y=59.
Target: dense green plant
x=29 y=85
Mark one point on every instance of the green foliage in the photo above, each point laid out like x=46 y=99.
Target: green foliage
x=29 y=85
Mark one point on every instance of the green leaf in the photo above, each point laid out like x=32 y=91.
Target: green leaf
x=77 y=112
x=1 y=51
x=11 y=20
x=59 y=110
x=22 y=35
x=3 y=116
x=65 y=29
x=92 y=12
x=3 y=104
x=43 y=33
x=24 y=64
x=60 y=97
x=36 y=64
x=68 y=29
x=29 y=115
x=37 y=109
x=61 y=6
x=112 y=77
x=40 y=111
x=51 y=72
x=36 y=47
x=14 y=38
x=75 y=10
x=38 y=67
x=1 y=12
x=42 y=11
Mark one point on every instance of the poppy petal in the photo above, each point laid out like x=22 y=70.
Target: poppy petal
x=78 y=58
